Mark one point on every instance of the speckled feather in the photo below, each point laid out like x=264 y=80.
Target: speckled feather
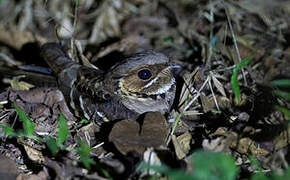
x=118 y=93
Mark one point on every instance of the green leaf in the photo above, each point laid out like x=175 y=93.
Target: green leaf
x=234 y=79
x=255 y=163
x=279 y=176
x=168 y=39
x=178 y=119
x=84 y=121
x=163 y=169
x=178 y=174
x=143 y=166
x=52 y=145
x=106 y=173
x=284 y=110
x=281 y=82
x=259 y=176
x=213 y=165
x=84 y=153
x=28 y=125
x=63 y=131
x=9 y=131
x=207 y=165
x=18 y=85
x=283 y=94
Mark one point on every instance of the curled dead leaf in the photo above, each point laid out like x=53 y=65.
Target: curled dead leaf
x=8 y=168
x=129 y=136
x=248 y=146
x=34 y=154
x=182 y=144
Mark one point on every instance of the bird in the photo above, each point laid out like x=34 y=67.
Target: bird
x=138 y=84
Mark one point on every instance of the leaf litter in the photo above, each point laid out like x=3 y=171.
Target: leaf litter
x=218 y=108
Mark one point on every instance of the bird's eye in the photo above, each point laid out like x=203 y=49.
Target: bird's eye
x=144 y=74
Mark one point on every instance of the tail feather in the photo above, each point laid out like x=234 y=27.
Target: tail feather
x=55 y=57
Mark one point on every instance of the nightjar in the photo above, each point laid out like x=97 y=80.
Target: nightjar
x=141 y=83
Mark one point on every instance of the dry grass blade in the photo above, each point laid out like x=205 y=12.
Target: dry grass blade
x=188 y=89
x=212 y=92
x=84 y=59
x=197 y=95
x=235 y=42
x=186 y=104
x=218 y=85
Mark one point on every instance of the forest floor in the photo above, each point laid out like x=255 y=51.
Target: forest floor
x=230 y=118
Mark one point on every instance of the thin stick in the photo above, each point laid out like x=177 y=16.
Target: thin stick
x=235 y=43
x=211 y=33
x=198 y=94
x=214 y=98
x=7 y=59
x=75 y=16
x=187 y=105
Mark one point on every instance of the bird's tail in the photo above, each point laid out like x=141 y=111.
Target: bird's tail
x=55 y=57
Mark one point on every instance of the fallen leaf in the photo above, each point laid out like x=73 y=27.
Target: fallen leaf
x=8 y=168
x=34 y=154
x=20 y=85
x=182 y=144
x=42 y=175
x=248 y=146
x=128 y=136
x=218 y=85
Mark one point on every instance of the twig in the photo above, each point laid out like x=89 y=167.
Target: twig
x=214 y=98
x=7 y=59
x=174 y=126
x=198 y=94
x=211 y=33
x=98 y=145
x=75 y=16
x=235 y=42
x=27 y=18
x=87 y=137
x=187 y=105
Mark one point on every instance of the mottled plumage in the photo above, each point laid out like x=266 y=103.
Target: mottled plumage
x=141 y=83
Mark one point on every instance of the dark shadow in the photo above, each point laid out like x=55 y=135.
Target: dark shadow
x=30 y=54
x=264 y=102
x=106 y=62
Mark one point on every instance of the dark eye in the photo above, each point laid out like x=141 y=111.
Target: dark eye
x=144 y=74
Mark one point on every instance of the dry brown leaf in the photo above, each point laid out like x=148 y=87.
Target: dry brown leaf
x=248 y=146
x=8 y=168
x=16 y=39
x=265 y=8
x=207 y=104
x=182 y=144
x=42 y=175
x=218 y=85
x=128 y=136
x=188 y=87
x=34 y=154
x=110 y=15
x=283 y=139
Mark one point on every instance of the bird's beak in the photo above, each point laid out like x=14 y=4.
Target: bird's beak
x=174 y=66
